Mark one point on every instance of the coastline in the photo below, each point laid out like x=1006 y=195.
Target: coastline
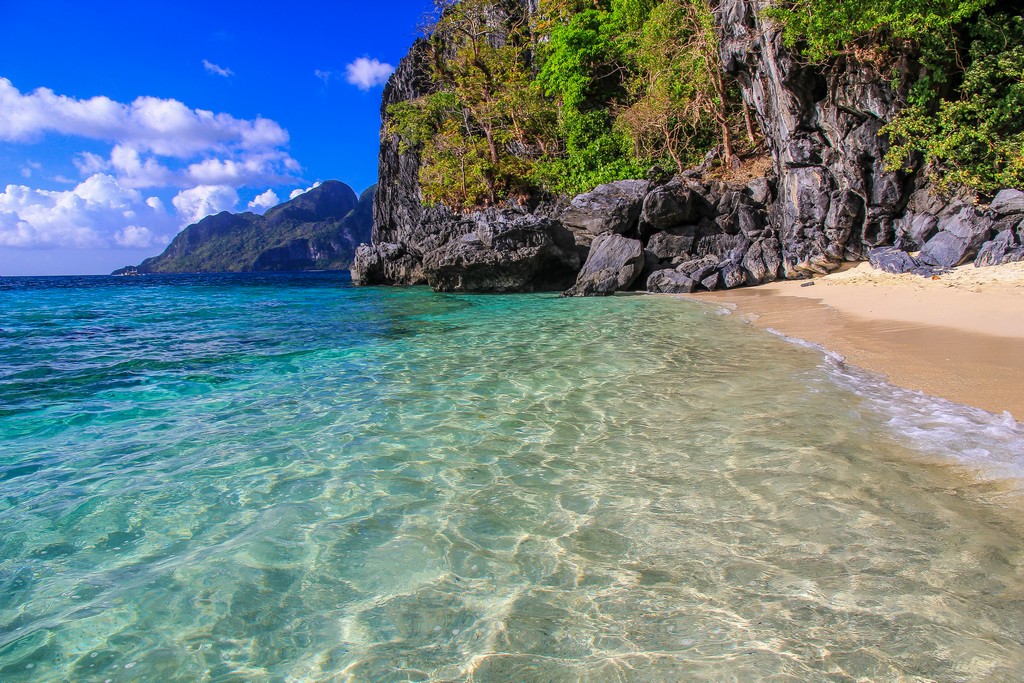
x=959 y=337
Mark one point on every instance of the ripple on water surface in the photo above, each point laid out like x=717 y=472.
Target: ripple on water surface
x=284 y=478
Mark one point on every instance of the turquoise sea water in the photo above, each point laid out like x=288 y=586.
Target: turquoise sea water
x=284 y=478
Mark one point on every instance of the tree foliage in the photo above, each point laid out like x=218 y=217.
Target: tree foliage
x=823 y=28
x=964 y=117
x=569 y=97
x=975 y=138
x=682 y=103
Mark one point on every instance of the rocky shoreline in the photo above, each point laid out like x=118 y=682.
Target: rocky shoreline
x=828 y=198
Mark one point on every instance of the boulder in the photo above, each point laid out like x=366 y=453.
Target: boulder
x=732 y=275
x=720 y=246
x=762 y=261
x=698 y=269
x=668 y=206
x=945 y=250
x=961 y=234
x=892 y=260
x=386 y=263
x=672 y=244
x=711 y=282
x=613 y=264
x=611 y=208
x=1008 y=202
x=760 y=190
x=1005 y=248
x=913 y=230
x=507 y=252
x=670 y=282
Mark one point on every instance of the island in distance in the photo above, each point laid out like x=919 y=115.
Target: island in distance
x=317 y=230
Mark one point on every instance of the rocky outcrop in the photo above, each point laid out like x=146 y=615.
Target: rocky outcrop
x=611 y=208
x=835 y=198
x=404 y=231
x=503 y=251
x=614 y=263
x=318 y=230
x=959 y=237
x=397 y=208
x=827 y=199
x=955 y=234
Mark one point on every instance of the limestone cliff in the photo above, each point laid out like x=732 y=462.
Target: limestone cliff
x=827 y=199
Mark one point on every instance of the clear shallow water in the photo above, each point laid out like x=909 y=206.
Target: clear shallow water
x=285 y=478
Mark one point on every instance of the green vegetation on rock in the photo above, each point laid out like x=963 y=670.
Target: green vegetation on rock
x=964 y=117
x=574 y=95
x=583 y=92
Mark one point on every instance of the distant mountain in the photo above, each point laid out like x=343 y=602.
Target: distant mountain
x=318 y=230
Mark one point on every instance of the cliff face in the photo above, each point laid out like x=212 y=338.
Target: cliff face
x=404 y=231
x=835 y=198
x=318 y=230
x=828 y=198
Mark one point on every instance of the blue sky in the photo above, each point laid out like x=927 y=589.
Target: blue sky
x=121 y=123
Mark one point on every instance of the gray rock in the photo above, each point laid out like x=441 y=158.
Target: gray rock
x=1005 y=248
x=961 y=234
x=821 y=127
x=732 y=275
x=507 y=252
x=913 y=230
x=668 y=206
x=945 y=250
x=761 y=262
x=720 y=246
x=673 y=244
x=611 y=208
x=614 y=264
x=386 y=263
x=892 y=260
x=1008 y=202
x=845 y=213
x=698 y=269
x=711 y=282
x=669 y=282
x=760 y=190
x=925 y=201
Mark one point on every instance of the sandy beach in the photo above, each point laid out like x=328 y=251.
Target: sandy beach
x=959 y=336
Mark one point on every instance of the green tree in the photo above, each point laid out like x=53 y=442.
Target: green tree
x=486 y=124
x=682 y=103
x=976 y=138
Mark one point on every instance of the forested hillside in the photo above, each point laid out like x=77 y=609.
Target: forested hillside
x=562 y=95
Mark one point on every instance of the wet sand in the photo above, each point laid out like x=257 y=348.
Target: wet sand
x=960 y=337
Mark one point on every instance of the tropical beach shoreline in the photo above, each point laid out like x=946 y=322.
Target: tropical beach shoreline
x=958 y=336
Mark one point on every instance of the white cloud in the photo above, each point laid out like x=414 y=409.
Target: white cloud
x=136 y=172
x=217 y=70
x=205 y=200
x=262 y=202
x=158 y=144
x=295 y=193
x=253 y=169
x=98 y=212
x=149 y=124
x=366 y=73
x=88 y=163
x=29 y=168
x=323 y=75
x=137 y=237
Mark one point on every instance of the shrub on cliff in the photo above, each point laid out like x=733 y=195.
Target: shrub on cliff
x=965 y=113
x=562 y=99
